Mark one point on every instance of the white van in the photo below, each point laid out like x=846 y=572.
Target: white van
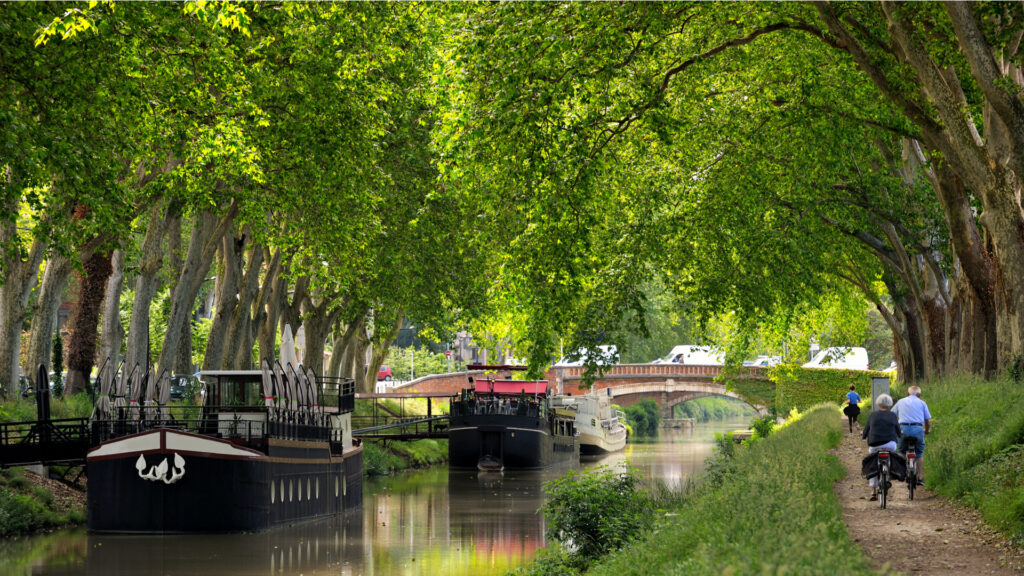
x=840 y=358
x=698 y=355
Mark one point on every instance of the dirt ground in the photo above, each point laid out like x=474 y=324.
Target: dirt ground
x=929 y=535
x=65 y=497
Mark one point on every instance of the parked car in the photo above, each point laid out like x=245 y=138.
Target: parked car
x=180 y=383
x=384 y=373
x=699 y=355
x=840 y=358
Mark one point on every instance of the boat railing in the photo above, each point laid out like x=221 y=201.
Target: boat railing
x=249 y=425
x=494 y=405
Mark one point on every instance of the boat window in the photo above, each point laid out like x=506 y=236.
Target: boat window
x=317 y=488
x=291 y=492
x=272 y=486
x=344 y=485
x=335 y=487
x=309 y=489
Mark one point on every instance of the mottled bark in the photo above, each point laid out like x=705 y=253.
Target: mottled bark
x=146 y=281
x=183 y=361
x=44 y=315
x=240 y=333
x=384 y=336
x=20 y=274
x=225 y=295
x=82 y=340
x=207 y=232
x=113 y=333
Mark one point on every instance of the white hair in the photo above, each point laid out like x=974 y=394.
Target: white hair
x=883 y=401
x=913 y=391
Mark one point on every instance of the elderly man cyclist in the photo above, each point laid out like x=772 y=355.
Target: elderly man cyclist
x=915 y=421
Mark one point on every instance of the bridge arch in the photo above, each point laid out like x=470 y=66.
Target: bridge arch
x=669 y=393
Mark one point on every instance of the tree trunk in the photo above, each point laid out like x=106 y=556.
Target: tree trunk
x=146 y=281
x=384 y=340
x=113 y=333
x=316 y=320
x=225 y=290
x=240 y=333
x=44 y=317
x=82 y=341
x=183 y=361
x=20 y=278
x=337 y=350
x=206 y=235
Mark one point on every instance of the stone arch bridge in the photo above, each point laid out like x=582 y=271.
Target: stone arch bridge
x=666 y=384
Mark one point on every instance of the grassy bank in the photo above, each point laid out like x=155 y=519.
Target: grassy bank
x=768 y=508
x=975 y=452
x=382 y=457
x=27 y=507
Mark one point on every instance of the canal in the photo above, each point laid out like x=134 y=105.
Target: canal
x=421 y=522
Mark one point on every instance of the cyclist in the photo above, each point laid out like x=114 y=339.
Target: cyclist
x=915 y=420
x=882 y=431
x=852 y=409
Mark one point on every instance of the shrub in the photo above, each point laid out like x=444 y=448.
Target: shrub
x=19 y=483
x=43 y=496
x=644 y=417
x=764 y=426
x=19 y=514
x=594 y=512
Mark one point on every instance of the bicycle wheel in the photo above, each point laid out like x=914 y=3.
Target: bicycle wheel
x=883 y=485
x=912 y=478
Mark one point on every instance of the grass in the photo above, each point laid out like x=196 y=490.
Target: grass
x=769 y=509
x=25 y=509
x=24 y=409
x=975 y=452
x=386 y=457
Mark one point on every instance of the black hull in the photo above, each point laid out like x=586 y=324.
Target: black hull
x=519 y=442
x=221 y=492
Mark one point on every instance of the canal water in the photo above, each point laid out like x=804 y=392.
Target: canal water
x=425 y=522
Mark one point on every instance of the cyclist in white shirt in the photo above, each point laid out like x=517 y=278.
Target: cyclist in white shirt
x=915 y=421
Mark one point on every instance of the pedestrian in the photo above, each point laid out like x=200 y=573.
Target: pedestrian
x=852 y=409
x=915 y=421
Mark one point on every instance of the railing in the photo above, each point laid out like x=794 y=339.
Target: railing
x=340 y=392
x=45 y=441
x=491 y=405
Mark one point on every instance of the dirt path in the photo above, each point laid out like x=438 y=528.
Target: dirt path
x=928 y=535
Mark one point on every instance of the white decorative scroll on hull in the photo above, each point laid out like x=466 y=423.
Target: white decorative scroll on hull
x=159 y=472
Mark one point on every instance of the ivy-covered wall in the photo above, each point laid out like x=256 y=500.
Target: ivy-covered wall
x=801 y=388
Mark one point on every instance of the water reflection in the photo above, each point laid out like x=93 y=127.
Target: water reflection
x=423 y=522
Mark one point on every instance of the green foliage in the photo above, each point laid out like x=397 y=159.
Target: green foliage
x=419 y=361
x=43 y=496
x=733 y=526
x=644 y=417
x=763 y=426
x=801 y=388
x=713 y=408
x=975 y=451
x=58 y=364
x=594 y=512
x=19 y=514
x=24 y=409
x=759 y=392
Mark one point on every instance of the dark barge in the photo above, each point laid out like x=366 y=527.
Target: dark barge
x=262 y=450
x=510 y=424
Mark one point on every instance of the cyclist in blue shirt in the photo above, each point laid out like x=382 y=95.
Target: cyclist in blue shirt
x=852 y=409
x=915 y=421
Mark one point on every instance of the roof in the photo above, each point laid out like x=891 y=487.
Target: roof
x=530 y=387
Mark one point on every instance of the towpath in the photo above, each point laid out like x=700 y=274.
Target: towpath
x=929 y=535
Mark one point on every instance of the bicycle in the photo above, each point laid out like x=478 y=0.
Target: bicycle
x=909 y=449
x=883 y=477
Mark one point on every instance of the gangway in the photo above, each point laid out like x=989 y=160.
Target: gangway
x=386 y=423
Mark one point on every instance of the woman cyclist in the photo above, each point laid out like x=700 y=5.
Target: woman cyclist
x=882 y=432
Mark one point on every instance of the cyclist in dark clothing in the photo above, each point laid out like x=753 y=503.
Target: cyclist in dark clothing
x=882 y=432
